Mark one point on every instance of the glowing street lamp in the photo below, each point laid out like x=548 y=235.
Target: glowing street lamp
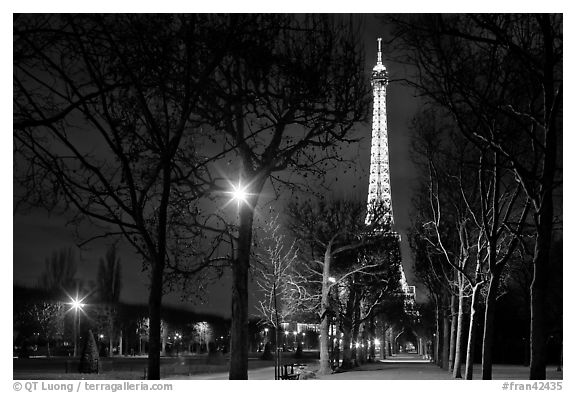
x=239 y=193
x=76 y=304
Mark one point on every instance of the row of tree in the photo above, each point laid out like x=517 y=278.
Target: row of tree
x=46 y=314
x=339 y=272
x=489 y=149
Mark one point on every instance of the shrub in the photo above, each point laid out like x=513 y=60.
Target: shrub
x=89 y=358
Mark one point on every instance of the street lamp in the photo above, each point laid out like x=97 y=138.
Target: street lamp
x=177 y=341
x=76 y=304
x=239 y=193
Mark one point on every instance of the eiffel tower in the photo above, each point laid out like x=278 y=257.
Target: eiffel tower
x=379 y=212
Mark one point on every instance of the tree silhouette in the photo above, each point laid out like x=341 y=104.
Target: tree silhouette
x=104 y=132
x=283 y=101
x=499 y=76
x=59 y=273
x=122 y=117
x=110 y=276
x=109 y=284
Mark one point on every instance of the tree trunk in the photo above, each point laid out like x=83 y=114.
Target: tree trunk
x=239 y=334
x=325 y=314
x=154 y=308
x=356 y=332
x=437 y=336
x=456 y=372
x=472 y=332
x=538 y=288
x=346 y=325
x=121 y=344
x=371 y=338
x=383 y=341
x=453 y=327
x=545 y=214
x=164 y=337
x=157 y=279
x=489 y=319
x=391 y=343
x=346 y=351
x=363 y=345
x=446 y=338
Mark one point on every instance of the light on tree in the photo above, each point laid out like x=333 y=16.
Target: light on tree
x=76 y=303
x=239 y=193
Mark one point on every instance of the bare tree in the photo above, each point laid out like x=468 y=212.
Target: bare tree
x=59 y=273
x=49 y=318
x=283 y=101
x=449 y=233
x=104 y=130
x=488 y=197
x=275 y=264
x=500 y=78
x=109 y=285
x=338 y=259
x=274 y=267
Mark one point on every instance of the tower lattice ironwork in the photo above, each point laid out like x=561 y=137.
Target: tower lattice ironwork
x=379 y=213
x=379 y=191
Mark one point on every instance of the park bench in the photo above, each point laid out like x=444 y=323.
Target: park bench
x=287 y=371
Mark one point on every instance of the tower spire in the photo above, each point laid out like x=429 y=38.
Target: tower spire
x=379 y=67
x=379 y=194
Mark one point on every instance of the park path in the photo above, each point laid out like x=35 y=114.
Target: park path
x=398 y=367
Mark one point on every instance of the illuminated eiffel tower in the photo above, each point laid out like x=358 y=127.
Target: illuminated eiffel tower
x=379 y=213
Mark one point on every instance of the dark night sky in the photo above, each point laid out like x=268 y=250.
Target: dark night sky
x=38 y=234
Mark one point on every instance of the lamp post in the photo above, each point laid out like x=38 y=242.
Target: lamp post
x=76 y=305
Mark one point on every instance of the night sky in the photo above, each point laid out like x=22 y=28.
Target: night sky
x=38 y=234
